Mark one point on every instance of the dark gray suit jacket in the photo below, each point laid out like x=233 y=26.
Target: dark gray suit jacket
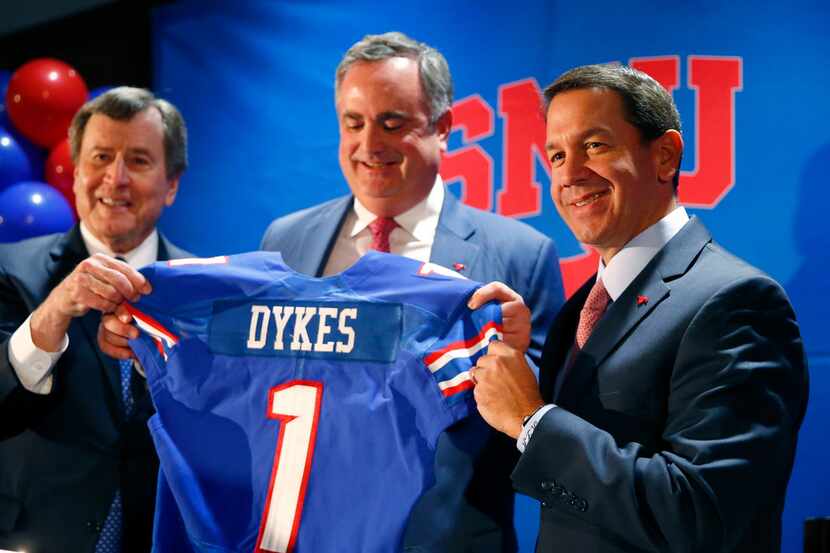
x=63 y=455
x=676 y=424
x=470 y=508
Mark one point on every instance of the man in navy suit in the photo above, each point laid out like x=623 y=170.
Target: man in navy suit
x=393 y=99
x=673 y=384
x=77 y=466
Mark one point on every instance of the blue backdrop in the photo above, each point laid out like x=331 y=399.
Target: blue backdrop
x=255 y=82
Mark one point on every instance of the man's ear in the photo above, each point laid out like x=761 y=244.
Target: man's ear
x=170 y=195
x=75 y=180
x=667 y=150
x=443 y=127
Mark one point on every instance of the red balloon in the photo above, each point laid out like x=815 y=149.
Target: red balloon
x=42 y=98
x=60 y=171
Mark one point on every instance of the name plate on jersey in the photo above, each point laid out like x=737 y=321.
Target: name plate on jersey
x=362 y=331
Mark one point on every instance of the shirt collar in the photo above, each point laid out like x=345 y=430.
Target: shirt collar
x=633 y=258
x=144 y=254
x=421 y=220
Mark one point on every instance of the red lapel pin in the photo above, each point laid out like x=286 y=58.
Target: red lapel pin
x=458 y=266
x=642 y=300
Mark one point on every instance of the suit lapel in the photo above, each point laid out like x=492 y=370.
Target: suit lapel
x=618 y=322
x=560 y=339
x=167 y=250
x=638 y=301
x=64 y=257
x=312 y=248
x=452 y=243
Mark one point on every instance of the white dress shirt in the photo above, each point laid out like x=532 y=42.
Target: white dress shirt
x=618 y=275
x=413 y=238
x=34 y=365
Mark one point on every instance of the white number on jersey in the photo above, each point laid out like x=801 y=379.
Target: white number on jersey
x=297 y=405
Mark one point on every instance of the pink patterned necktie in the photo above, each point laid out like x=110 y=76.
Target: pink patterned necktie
x=381 y=228
x=591 y=313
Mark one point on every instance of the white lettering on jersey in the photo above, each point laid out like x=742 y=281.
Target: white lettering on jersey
x=260 y=328
x=323 y=329
x=301 y=340
x=258 y=313
x=344 y=328
x=281 y=316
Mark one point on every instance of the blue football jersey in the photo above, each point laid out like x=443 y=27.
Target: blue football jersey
x=301 y=414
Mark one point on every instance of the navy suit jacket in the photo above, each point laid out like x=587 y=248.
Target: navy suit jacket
x=63 y=455
x=470 y=508
x=676 y=424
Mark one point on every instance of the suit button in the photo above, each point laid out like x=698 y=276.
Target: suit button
x=583 y=505
x=547 y=485
x=545 y=505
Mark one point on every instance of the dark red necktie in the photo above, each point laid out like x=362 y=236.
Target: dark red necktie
x=381 y=228
x=592 y=312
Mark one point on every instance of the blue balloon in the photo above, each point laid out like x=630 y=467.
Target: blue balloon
x=31 y=209
x=14 y=163
x=35 y=154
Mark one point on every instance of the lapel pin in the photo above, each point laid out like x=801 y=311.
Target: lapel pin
x=642 y=300
x=458 y=266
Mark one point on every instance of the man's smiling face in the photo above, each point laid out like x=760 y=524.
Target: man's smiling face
x=605 y=180
x=389 y=151
x=121 y=185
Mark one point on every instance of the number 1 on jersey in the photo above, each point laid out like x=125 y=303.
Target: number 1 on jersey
x=297 y=406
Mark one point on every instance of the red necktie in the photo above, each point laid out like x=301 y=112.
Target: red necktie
x=380 y=229
x=591 y=313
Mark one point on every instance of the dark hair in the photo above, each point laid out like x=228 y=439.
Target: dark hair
x=124 y=103
x=436 y=81
x=647 y=105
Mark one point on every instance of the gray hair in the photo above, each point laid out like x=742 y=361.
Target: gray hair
x=124 y=103
x=436 y=81
x=647 y=105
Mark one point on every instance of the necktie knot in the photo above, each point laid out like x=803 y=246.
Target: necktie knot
x=381 y=228
x=592 y=312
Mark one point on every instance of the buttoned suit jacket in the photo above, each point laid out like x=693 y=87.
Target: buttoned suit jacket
x=63 y=455
x=676 y=424
x=470 y=508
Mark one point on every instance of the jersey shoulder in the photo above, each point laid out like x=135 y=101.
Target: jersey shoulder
x=427 y=286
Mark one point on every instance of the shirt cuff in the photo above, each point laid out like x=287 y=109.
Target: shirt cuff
x=32 y=364
x=527 y=429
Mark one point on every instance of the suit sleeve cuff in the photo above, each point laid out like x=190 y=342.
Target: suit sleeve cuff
x=527 y=429
x=33 y=365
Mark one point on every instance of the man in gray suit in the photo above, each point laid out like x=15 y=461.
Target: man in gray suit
x=393 y=99
x=673 y=384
